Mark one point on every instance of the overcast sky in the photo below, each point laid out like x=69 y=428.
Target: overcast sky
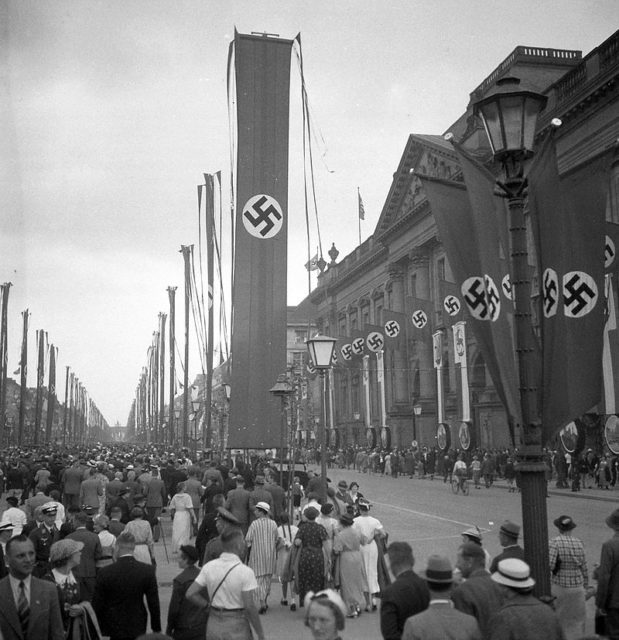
x=111 y=110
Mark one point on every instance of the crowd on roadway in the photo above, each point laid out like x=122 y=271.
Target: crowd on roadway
x=78 y=535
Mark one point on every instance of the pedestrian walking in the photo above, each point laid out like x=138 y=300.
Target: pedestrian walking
x=324 y=615
x=183 y=517
x=310 y=575
x=607 y=596
x=261 y=539
x=349 y=574
x=286 y=533
x=509 y=533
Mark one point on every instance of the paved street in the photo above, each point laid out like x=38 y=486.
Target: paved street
x=427 y=514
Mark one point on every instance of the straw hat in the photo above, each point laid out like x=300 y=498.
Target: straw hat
x=514 y=573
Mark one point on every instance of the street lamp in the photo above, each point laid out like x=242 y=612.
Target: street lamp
x=195 y=405
x=509 y=114
x=321 y=353
x=282 y=389
x=416 y=414
x=177 y=415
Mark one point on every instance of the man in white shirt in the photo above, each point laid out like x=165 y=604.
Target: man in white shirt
x=14 y=515
x=231 y=588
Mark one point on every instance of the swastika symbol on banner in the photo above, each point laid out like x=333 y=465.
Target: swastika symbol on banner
x=419 y=318
x=334 y=358
x=262 y=216
x=311 y=369
x=482 y=297
x=392 y=328
x=346 y=351
x=610 y=252
x=494 y=301
x=550 y=292
x=451 y=305
x=357 y=346
x=580 y=293
x=375 y=341
x=506 y=286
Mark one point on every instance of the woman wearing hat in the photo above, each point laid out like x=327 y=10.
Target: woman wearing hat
x=310 y=559
x=349 y=574
x=570 y=578
x=324 y=614
x=369 y=529
x=183 y=517
x=261 y=540
x=141 y=530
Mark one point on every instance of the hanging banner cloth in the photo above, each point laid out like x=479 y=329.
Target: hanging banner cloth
x=571 y=266
x=262 y=88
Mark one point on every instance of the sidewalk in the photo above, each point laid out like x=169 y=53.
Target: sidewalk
x=612 y=495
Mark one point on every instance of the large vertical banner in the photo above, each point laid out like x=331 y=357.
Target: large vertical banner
x=262 y=80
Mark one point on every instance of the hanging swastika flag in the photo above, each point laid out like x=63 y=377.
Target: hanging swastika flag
x=419 y=318
x=262 y=217
x=451 y=304
x=572 y=266
x=482 y=298
x=394 y=329
x=375 y=341
x=506 y=286
x=611 y=246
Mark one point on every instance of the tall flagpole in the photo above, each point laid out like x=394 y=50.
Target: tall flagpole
x=23 y=391
x=51 y=394
x=172 y=343
x=186 y=251
x=162 y=321
x=4 y=361
x=40 y=372
x=66 y=408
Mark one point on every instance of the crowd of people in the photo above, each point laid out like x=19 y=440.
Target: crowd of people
x=79 y=530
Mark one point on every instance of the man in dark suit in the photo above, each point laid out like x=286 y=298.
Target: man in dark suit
x=478 y=595
x=30 y=607
x=237 y=503
x=43 y=537
x=120 y=591
x=607 y=596
x=508 y=537
x=156 y=497
x=404 y=597
x=86 y=571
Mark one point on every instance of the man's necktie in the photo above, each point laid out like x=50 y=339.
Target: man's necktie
x=23 y=609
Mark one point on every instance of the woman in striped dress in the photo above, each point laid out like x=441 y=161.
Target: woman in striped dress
x=261 y=540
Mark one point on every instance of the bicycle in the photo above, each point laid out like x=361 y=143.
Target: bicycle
x=460 y=483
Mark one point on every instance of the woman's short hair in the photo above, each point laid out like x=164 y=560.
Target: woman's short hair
x=327 y=598
x=136 y=512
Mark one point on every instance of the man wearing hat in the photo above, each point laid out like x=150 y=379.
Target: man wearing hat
x=224 y=520
x=43 y=537
x=261 y=539
x=259 y=494
x=569 y=578
x=237 y=502
x=508 y=537
x=440 y=621
x=522 y=615
x=607 y=596
x=341 y=498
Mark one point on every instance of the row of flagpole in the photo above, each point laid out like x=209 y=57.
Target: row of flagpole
x=81 y=418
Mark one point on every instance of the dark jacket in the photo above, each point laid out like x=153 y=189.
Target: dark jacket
x=405 y=597
x=514 y=551
x=478 y=596
x=607 y=596
x=526 y=618
x=119 y=598
x=186 y=621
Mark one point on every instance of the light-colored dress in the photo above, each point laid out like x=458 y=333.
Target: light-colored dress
x=144 y=543
x=368 y=526
x=285 y=537
x=351 y=579
x=181 y=528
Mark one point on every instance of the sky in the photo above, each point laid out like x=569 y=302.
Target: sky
x=111 y=111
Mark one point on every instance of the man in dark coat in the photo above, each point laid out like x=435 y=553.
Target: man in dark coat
x=86 y=571
x=406 y=596
x=43 y=537
x=478 y=595
x=607 y=596
x=120 y=591
x=508 y=537
x=186 y=621
x=237 y=502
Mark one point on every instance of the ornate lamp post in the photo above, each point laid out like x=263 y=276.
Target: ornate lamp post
x=195 y=405
x=416 y=413
x=509 y=114
x=282 y=389
x=177 y=415
x=321 y=352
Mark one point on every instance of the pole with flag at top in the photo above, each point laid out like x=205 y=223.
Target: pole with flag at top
x=361 y=212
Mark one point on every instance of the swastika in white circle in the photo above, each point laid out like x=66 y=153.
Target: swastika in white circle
x=358 y=344
x=346 y=351
x=392 y=328
x=262 y=216
x=550 y=292
x=506 y=286
x=375 y=341
x=580 y=293
x=610 y=252
x=419 y=318
x=452 y=305
x=482 y=297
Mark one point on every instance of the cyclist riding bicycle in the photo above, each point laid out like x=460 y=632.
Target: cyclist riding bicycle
x=461 y=472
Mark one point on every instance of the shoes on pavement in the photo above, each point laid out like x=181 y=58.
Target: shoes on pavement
x=284 y=603
x=293 y=607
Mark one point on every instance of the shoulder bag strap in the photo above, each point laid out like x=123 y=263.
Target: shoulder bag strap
x=222 y=580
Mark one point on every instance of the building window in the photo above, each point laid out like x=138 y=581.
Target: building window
x=440 y=269
x=298 y=359
x=300 y=336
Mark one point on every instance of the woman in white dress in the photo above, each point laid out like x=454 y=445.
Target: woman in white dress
x=369 y=527
x=143 y=534
x=286 y=533
x=183 y=517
